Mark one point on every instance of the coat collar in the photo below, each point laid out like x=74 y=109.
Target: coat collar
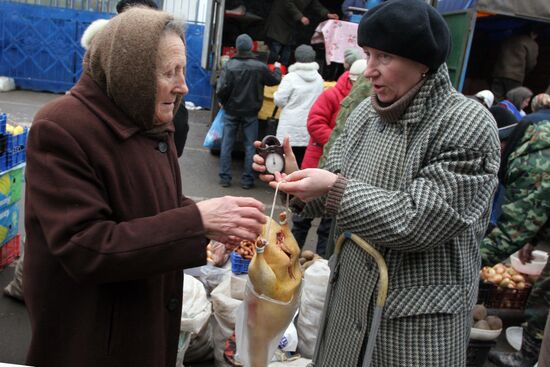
x=436 y=88
x=89 y=93
x=244 y=55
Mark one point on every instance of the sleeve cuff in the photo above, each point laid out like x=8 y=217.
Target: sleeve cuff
x=297 y=205
x=334 y=196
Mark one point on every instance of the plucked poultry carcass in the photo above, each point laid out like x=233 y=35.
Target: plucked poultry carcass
x=276 y=277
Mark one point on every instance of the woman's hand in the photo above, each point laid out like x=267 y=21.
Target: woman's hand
x=231 y=219
x=291 y=165
x=525 y=254
x=306 y=184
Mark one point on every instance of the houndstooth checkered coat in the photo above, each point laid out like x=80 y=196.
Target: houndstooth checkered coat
x=419 y=190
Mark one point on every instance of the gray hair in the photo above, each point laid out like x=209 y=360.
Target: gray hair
x=177 y=26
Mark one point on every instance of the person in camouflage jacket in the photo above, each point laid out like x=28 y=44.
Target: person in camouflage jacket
x=527 y=201
x=524 y=221
x=361 y=89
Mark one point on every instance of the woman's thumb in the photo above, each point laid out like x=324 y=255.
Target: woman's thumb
x=286 y=146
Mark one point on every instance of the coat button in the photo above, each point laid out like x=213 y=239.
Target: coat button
x=163 y=146
x=172 y=304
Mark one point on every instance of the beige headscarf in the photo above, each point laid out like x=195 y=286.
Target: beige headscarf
x=122 y=61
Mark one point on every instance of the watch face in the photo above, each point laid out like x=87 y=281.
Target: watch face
x=274 y=162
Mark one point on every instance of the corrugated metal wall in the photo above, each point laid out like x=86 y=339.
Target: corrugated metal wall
x=194 y=11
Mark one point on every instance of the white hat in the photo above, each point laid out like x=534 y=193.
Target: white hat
x=487 y=97
x=357 y=68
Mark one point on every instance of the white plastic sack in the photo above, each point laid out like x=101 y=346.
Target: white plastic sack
x=225 y=308
x=196 y=308
x=260 y=317
x=211 y=276
x=289 y=340
x=311 y=306
x=195 y=312
x=6 y=84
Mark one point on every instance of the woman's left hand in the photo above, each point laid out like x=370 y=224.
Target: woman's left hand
x=306 y=184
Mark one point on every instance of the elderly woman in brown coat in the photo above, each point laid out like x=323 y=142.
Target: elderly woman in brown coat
x=108 y=229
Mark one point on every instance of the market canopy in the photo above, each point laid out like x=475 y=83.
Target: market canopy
x=532 y=9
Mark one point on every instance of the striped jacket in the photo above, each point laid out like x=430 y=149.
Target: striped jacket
x=418 y=189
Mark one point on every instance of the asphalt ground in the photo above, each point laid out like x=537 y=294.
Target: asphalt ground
x=199 y=180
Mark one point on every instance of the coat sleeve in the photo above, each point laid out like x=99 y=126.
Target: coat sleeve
x=271 y=77
x=320 y=116
x=532 y=55
x=224 y=85
x=450 y=193
x=284 y=92
x=67 y=197
x=318 y=8
x=524 y=215
x=292 y=10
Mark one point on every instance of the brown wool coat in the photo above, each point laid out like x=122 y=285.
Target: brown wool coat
x=108 y=230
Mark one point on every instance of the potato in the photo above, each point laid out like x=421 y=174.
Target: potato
x=479 y=312
x=482 y=324
x=495 y=323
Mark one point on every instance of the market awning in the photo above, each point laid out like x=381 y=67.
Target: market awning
x=534 y=9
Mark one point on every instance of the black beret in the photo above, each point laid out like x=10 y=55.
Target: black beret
x=407 y=28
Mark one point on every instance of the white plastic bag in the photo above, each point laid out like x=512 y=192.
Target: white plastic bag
x=289 y=340
x=223 y=323
x=6 y=84
x=261 y=322
x=311 y=307
x=195 y=312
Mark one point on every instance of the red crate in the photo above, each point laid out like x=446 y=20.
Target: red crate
x=9 y=251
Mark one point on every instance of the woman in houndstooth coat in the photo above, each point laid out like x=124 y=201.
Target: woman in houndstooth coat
x=413 y=174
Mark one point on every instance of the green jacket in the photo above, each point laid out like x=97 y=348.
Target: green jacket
x=527 y=200
x=361 y=89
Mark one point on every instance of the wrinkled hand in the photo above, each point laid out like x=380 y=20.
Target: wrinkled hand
x=306 y=184
x=332 y=16
x=304 y=20
x=231 y=219
x=525 y=254
x=291 y=165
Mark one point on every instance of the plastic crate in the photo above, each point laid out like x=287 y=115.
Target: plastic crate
x=12 y=150
x=492 y=296
x=9 y=251
x=477 y=352
x=238 y=264
x=3 y=121
x=11 y=184
x=9 y=223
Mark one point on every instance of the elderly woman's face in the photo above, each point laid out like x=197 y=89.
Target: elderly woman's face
x=392 y=76
x=170 y=74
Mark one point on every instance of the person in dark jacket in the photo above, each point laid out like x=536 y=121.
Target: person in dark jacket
x=518 y=56
x=240 y=90
x=516 y=100
x=108 y=228
x=285 y=17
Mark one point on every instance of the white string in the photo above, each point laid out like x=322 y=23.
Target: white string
x=273 y=209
